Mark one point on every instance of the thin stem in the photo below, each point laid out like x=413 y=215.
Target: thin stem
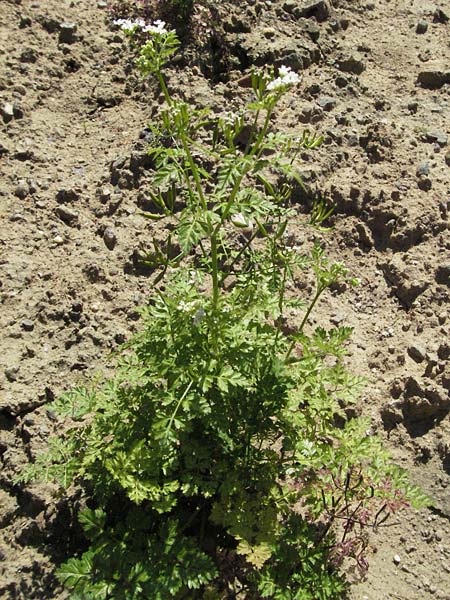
x=163 y=85
x=255 y=148
x=185 y=393
x=305 y=319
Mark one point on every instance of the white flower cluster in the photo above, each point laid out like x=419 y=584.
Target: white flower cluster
x=189 y=307
x=157 y=27
x=285 y=77
x=130 y=26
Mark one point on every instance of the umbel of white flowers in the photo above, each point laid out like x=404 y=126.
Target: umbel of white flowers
x=286 y=76
x=130 y=26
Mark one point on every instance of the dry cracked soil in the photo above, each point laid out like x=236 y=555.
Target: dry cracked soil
x=74 y=178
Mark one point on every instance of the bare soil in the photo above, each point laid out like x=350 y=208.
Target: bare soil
x=376 y=84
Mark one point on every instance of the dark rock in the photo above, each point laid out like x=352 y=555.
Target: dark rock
x=412 y=106
x=24 y=22
x=28 y=55
x=66 y=214
x=320 y=9
x=421 y=26
x=48 y=23
x=424 y=184
x=7 y=112
x=326 y=103
x=67 y=195
x=392 y=413
x=67 y=33
x=22 y=190
x=18 y=111
x=107 y=97
x=351 y=63
x=440 y=16
x=11 y=373
x=436 y=137
x=93 y=273
x=140 y=159
x=110 y=238
x=443 y=274
x=27 y=325
x=444 y=351
x=341 y=81
x=416 y=353
x=433 y=78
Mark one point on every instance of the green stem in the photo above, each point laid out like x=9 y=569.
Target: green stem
x=163 y=85
x=255 y=148
x=305 y=319
x=185 y=393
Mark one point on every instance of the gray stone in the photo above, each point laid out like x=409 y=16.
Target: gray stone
x=67 y=33
x=424 y=184
x=110 y=238
x=423 y=169
x=7 y=112
x=440 y=16
x=320 y=9
x=351 y=63
x=11 y=373
x=443 y=274
x=25 y=21
x=27 y=325
x=66 y=214
x=436 y=137
x=417 y=353
x=433 y=78
x=28 y=55
x=22 y=190
x=67 y=195
x=341 y=81
x=421 y=26
x=326 y=103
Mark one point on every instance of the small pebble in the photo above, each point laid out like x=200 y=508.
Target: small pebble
x=7 y=112
x=421 y=26
x=110 y=238
x=396 y=559
x=22 y=190
x=67 y=33
x=417 y=353
x=423 y=169
x=27 y=325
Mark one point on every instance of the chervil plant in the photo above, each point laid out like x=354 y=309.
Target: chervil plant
x=219 y=462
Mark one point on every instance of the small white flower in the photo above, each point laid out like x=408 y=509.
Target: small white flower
x=285 y=77
x=128 y=25
x=187 y=306
x=158 y=27
x=239 y=220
